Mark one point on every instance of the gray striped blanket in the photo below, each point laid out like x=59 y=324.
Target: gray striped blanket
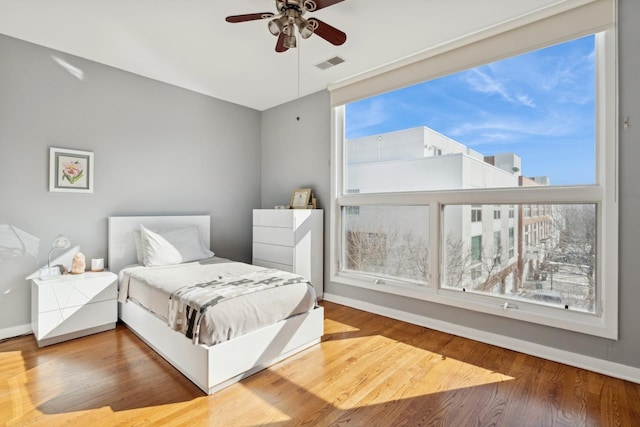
x=189 y=304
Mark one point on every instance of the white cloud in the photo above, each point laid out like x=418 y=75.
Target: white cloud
x=498 y=136
x=568 y=77
x=370 y=114
x=526 y=100
x=512 y=129
x=482 y=82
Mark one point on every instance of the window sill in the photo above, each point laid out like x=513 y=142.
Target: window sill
x=586 y=323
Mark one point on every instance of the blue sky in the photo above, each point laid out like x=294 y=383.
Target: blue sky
x=540 y=105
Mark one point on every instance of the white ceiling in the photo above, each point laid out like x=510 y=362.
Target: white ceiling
x=187 y=43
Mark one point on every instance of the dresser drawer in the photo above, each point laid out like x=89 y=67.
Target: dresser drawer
x=275 y=265
x=273 y=253
x=274 y=217
x=274 y=236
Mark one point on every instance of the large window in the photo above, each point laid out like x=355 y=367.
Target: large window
x=528 y=139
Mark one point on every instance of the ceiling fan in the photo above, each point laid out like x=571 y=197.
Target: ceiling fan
x=291 y=17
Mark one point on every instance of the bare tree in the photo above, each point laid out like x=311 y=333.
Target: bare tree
x=406 y=255
x=570 y=249
x=491 y=267
x=366 y=250
x=458 y=262
x=385 y=250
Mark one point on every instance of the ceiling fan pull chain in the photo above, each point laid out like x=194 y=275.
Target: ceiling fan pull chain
x=298 y=98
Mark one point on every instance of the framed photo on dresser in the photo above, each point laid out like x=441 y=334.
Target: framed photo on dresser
x=300 y=198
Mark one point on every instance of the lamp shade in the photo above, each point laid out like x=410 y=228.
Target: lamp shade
x=60 y=242
x=304 y=27
x=277 y=25
x=290 y=42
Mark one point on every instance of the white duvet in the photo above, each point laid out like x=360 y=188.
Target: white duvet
x=151 y=287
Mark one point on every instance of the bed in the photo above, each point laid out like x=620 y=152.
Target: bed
x=211 y=362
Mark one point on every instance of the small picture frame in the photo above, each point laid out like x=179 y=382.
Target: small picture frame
x=70 y=170
x=300 y=198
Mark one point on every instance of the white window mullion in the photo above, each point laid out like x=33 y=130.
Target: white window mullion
x=539 y=195
x=435 y=245
x=337 y=178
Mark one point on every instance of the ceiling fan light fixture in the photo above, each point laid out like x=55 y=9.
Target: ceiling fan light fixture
x=276 y=26
x=290 y=42
x=304 y=27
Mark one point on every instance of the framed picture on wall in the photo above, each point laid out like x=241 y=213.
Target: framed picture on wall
x=300 y=198
x=70 y=170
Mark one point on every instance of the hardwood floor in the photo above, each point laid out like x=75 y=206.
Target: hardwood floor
x=368 y=371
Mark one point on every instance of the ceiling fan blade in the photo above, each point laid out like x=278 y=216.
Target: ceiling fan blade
x=313 y=5
x=280 y=47
x=327 y=32
x=249 y=17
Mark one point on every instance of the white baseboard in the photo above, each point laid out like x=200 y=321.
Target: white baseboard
x=601 y=366
x=15 y=331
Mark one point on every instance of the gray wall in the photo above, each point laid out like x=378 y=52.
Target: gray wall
x=627 y=349
x=296 y=153
x=158 y=150
x=278 y=124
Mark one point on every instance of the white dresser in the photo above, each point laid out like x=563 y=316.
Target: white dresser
x=73 y=306
x=290 y=240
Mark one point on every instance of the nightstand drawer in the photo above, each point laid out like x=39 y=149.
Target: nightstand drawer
x=91 y=288
x=56 y=295
x=68 y=320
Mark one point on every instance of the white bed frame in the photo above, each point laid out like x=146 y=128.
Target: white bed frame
x=210 y=367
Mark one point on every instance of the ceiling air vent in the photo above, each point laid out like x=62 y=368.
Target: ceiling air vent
x=331 y=62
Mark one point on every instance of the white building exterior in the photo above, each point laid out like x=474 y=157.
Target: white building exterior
x=421 y=159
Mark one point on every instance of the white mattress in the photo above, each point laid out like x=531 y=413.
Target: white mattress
x=151 y=287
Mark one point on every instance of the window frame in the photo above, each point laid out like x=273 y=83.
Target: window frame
x=604 y=194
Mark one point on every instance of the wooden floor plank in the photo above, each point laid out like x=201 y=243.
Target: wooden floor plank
x=369 y=370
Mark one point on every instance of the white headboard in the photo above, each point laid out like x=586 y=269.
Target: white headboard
x=122 y=248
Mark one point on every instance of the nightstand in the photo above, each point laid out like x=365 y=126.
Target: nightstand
x=73 y=306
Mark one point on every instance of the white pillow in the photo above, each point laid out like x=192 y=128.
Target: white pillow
x=137 y=238
x=172 y=246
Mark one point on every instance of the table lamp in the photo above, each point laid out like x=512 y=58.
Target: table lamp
x=60 y=242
